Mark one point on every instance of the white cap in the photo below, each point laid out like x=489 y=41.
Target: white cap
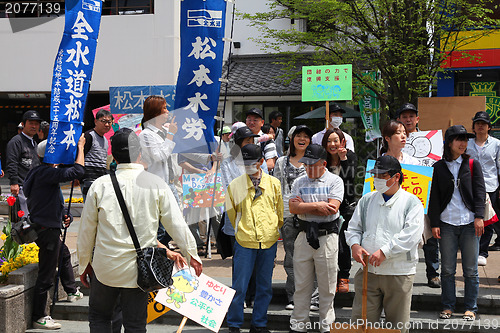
x=41 y=148
x=235 y=127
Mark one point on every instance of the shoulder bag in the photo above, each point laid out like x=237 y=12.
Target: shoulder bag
x=154 y=269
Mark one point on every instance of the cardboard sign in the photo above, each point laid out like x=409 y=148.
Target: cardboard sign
x=417 y=180
x=201 y=299
x=327 y=83
x=198 y=190
x=155 y=309
x=425 y=146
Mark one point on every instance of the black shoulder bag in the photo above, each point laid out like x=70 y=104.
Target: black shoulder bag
x=154 y=269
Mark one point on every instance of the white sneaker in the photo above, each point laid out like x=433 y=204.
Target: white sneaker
x=75 y=296
x=314 y=307
x=46 y=323
x=289 y=306
x=481 y=261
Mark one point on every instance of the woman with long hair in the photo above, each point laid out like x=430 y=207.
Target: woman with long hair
x=342 y=162
x=456 y=211
x=394 y=136
x=287 y=169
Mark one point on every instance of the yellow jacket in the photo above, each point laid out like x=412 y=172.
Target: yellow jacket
x=256 y=222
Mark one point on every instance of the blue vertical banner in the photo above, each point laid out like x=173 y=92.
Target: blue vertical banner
x=198 y=84
x=71 y=79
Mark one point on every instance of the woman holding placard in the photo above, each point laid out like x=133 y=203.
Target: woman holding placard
x=394 y=136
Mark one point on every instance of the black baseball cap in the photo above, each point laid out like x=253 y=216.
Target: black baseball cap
x=31 y=115
x=336 y=107
x=125 y=145
x=251 y=154
x=406 y=107
x=313 y=154
x=243 y=132
x=482 y=116
x=385 y=164
x=303 y=128
x=457 y=130
x=255 y=111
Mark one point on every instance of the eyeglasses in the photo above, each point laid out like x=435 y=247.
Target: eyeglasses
x=106 y=122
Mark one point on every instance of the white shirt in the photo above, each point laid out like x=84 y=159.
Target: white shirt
x=394 y=226
x=489 y=157
x=103 y=237
x=318 y=138
x=155 y=151
x=456 y=213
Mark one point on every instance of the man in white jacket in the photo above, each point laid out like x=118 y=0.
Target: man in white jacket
x=387 y=226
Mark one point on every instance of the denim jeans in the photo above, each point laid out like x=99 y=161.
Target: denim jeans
x=463 y=238
x=244 y=261
x=103 y=300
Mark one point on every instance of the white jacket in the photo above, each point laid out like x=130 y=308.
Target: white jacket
x=395 y=227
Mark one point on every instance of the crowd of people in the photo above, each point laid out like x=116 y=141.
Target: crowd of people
x=303 y=193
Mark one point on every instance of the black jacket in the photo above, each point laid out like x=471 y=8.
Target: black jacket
x=471 y=189
x=21 y=158
x=348 y=174
x=44 y=197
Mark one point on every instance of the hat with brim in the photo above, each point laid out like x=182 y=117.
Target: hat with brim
x=457 y=130
x=482 y=116
x=385 y=164
x=256 y=112
x=313 y=154
x=303 y=128
x=251 y=154
x=31 y=115
x=243 y=132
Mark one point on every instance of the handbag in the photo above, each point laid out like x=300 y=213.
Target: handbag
x=490 y=216
x=154 y=269
x=24 y=231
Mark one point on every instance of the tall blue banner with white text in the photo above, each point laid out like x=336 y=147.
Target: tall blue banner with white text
x=71 y=79
x=198 y=85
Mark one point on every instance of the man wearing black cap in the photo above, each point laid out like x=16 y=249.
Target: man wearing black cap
x=336 y=112
x=22 y=156
x=408 y=115
x=486 y=149
x=255 y=120
x=387 y=226
x=315 y=199
x=254 y=206
x=106 y=252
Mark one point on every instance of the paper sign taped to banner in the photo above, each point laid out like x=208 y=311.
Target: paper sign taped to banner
x=200 y=298
x=198 y=190
x=155 y=309
x=425 y=146
x=417 y=180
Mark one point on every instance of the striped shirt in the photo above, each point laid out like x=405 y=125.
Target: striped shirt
x=328 y=186
x=268 y=147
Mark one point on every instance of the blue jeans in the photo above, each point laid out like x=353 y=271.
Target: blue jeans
x=463 y=238
x=244 y=261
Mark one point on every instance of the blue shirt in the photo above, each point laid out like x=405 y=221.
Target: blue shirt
x=456 y=213
x=489 y=157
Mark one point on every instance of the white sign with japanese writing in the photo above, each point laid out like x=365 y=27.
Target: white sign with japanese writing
x=199 y=298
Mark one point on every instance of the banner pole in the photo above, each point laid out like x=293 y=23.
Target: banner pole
x=181 y=326
x=226 y=82
x=327 y=115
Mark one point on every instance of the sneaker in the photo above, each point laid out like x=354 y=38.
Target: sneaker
x=314 y=307
x=234 y=330
x=289 y=306
x=254 y=329
x=46 y=323
x=434 y=282
x=343 y=286
x=72 y=297
x=481 y=261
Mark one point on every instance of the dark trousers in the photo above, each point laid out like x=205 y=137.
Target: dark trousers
x=103 y=301
x=431 y=256
x=49 y=242
x=485 y=240
x=344 y=253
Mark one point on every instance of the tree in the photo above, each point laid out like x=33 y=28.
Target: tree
x=406 y=41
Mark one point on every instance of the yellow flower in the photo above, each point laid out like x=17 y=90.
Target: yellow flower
x=3 y=237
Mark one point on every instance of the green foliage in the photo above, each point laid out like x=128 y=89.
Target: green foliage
x=405 y=40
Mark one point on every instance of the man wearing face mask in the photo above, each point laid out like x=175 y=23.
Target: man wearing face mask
x=315 y=198
x=254 y=206
x=336 y=119
x=387 y=226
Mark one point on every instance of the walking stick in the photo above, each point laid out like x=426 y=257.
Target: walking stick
x=208 y=252
x=59 y=264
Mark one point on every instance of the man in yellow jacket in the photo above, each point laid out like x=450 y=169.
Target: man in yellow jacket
x=255 y=208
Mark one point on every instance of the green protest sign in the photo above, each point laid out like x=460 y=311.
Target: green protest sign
x=327 y=83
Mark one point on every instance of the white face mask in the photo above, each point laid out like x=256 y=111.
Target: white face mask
x=335 y=122
x=381 y=184
x=251 y=169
